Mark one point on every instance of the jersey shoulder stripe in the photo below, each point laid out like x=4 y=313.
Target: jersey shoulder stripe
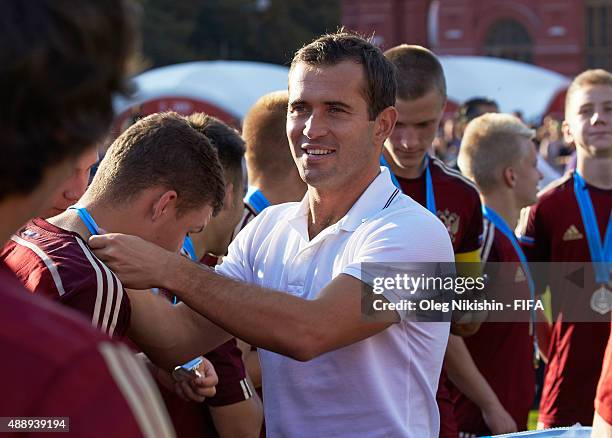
x=556 y=184
x=109 y=293
x=42 y=255
x=453 y=173
x=137 y=389
x=488 y=238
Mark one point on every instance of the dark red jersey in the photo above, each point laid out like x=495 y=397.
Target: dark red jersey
x=457 y=204
x=458 y=207
x=54 y=364
x=448 y=424
x=554 y=232
x=58 y=264
x=502 y=351
x=603 y=400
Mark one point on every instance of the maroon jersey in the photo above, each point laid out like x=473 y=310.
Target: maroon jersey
x=457 y=204
x=189 y=419
x=58 y=264
x=458 y=207
x=603 y=401
x=576 y=349
x=502 y=351
x=448 y=424
x=53 y=364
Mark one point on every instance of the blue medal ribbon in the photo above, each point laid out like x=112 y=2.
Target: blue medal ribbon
x=430 y=199
x=601 y=254
x=89 y=222
x=189 y=248
x=502 y=226
x=256 y=199
x=94 y=229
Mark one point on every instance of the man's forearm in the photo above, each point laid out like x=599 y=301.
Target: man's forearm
x=241 y=419
x=464 y=374
x=168 y=334
x=262 y=317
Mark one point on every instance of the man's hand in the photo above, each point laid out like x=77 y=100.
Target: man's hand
x=498 y=420
x=138 y=264
x=201 y=388
x=194 y=390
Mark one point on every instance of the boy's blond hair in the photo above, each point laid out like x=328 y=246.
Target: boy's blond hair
x=490 y=142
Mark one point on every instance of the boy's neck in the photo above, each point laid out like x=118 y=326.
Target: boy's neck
x=597 y=171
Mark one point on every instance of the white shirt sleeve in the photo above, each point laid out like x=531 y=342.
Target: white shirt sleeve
x=395 y=243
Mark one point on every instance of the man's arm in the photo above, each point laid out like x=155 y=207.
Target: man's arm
x=279 y=322
x=242 y=419
x=236 y=409
x=250 y=358
x=298 y=328
x=464 y=374
x=170 y=334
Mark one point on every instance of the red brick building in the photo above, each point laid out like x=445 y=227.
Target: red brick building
x=562 y=35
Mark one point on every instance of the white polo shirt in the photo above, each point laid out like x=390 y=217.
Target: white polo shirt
x=382 y=386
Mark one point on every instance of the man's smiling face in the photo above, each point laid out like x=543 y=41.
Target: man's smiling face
x=328 y=125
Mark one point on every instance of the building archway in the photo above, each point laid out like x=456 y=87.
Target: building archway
x=508 y=38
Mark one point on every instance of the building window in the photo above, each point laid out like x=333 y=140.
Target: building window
x=509 y=39
x=598 y=34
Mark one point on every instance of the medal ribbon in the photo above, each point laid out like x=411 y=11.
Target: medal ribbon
x=89 y=222
x=601 y=254
x=256 y=199
x=502 y=226
x=94 y=229
x=189 y=248
x=430 y=199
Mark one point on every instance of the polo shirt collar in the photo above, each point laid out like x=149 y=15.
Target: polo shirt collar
x=371 y=201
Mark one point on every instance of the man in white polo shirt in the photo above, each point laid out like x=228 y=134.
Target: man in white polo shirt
x=327 y=371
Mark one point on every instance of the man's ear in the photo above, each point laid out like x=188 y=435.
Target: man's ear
x=567 y=134
x=509 y=177
x=384 y=124
x=165 y=203
x=228 y=199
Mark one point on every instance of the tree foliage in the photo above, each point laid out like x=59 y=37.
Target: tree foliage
x=255 y=30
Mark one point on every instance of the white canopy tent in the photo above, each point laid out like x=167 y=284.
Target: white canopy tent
x=514 y=85
x=235 y=85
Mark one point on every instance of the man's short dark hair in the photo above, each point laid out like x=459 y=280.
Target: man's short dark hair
x=379 y=73
x=418 y=71
x=472 y=108
x=60 y=63
x=226 y=141
x=164 y=150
